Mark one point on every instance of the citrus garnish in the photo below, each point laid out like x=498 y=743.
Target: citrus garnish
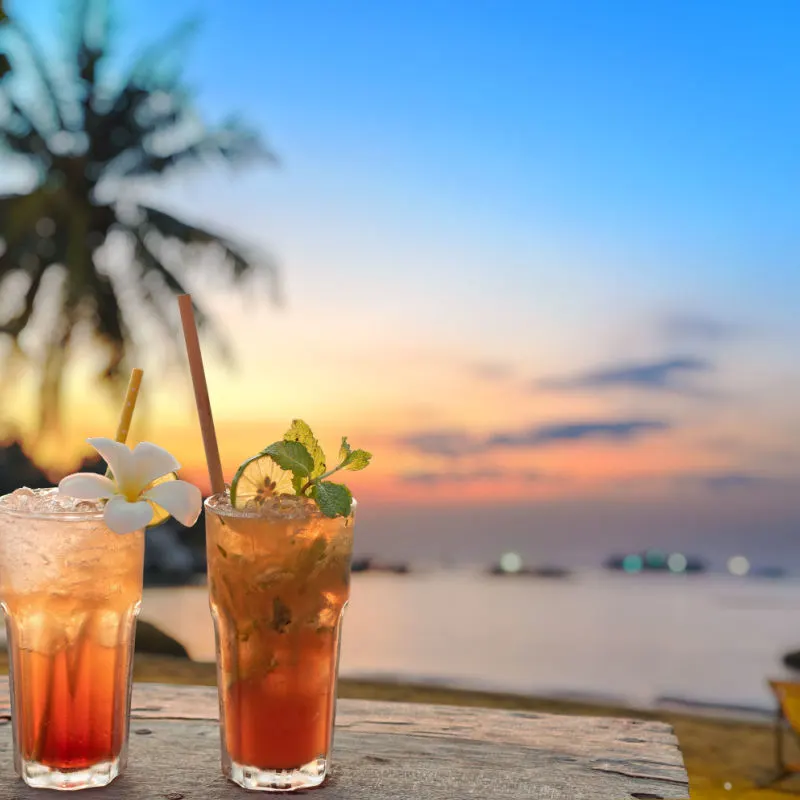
x=258 y=480
x=159 y=514
x=296 y=466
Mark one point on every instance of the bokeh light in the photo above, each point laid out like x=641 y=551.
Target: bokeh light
x=677 y=562
x=738 y=565
x=510 y=562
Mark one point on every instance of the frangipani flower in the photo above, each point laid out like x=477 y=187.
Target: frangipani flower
x=127 y=509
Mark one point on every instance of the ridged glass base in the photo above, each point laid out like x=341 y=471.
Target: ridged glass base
x=279 y=780
x=43 y=777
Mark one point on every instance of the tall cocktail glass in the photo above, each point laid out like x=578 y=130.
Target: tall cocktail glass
x=70 y=590
x=279 y=580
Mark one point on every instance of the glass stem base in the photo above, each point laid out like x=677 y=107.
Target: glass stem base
x=40 y=776
x=279 y=780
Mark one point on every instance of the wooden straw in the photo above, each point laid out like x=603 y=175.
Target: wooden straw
x=126 y=415
x=201 y=393
x=130 y=402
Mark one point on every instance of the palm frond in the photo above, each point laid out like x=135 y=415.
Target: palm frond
x=151 y=263
x=21 y=134
x=43 y=75
x=230 y=144
x=148 y=70
x=14 y=326
x=90 y=16
x=134 y=115
x=171 y=227
x=56 y=355
x=107 y=321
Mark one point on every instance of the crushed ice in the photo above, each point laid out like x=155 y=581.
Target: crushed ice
x=279 y=507
x=47 y=501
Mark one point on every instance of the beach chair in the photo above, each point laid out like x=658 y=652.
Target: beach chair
x=787 y=694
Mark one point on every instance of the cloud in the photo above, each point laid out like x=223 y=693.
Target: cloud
x=454 y=443
x=698 y=328
x=724 y=481
x=439 y=478
x=661 y=375
x=440 y=443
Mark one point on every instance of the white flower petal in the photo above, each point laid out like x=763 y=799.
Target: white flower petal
x=87 y=486
x=124 y=517
x=183 y=500
x=152 y=462
x=119 y=457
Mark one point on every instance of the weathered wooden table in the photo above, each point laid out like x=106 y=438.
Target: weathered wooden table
x=396 y=751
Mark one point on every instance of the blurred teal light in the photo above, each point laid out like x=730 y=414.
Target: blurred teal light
x=632 y=563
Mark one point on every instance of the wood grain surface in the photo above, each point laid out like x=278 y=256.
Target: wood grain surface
x=389 y=751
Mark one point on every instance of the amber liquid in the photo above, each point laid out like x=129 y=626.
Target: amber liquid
x=283 y=719
x=70 y=591
x=72 y=704
x=277 y=595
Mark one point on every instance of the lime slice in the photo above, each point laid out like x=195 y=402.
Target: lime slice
x=258 y=480
x=159 y=514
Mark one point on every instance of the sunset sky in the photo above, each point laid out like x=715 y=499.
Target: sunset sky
x=542 y=258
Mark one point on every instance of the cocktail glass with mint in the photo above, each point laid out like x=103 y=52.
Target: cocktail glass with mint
x=279 y=547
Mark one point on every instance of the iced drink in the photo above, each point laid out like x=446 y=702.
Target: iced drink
x=70 y=590
x=279 y=575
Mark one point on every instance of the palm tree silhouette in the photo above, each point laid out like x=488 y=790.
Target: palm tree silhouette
x=83 y=140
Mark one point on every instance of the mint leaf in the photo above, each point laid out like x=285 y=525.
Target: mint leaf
x=333 y=499
x=356 y=460
x=344 y=450
x=300 y=432
x=291 y=456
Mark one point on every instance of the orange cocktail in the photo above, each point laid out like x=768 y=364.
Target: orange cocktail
x=70 y=590
x=279 y=577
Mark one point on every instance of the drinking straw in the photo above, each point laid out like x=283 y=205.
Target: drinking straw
x=126 y=414
x=127 y=408
x=201 y=393
x=123 y=426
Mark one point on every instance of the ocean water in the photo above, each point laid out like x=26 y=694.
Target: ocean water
x=641 y=639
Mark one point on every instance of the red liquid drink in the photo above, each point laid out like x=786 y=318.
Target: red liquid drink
x=70 y=591
x=279 y=581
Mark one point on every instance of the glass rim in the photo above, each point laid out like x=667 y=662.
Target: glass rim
x=62 y=516
x=243 y=513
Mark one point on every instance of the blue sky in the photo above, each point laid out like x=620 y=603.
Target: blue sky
x=649 y=144
x=543 y=190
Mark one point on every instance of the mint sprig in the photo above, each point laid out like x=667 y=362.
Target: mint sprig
x=301 y=454
x=300 y=432
x=333 y=499
x=291 y=456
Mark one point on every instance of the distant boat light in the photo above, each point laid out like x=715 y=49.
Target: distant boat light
x=632 y=563
x=738 y=565
x=655 y=559
x=677 y=562
x=510 y=562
